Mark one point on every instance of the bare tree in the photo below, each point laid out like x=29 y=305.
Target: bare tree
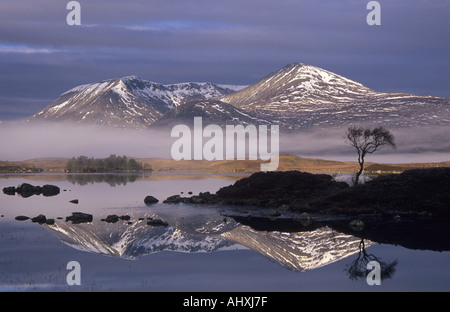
x=367 y=141
x=357 y=269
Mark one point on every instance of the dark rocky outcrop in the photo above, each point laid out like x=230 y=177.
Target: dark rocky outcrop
x=269 y=189
x=79 y=217
x=279 y=188
x=421 y=192
x=26 y=190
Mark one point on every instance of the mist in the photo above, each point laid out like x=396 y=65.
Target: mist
x=24 y=141
x=414 y=144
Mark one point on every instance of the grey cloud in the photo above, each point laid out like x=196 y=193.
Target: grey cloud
x=232 y=41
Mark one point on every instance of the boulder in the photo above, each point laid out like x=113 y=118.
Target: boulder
x=27 y=190
x=50 y=190
x=173 y=199
x=111 y=219
x=22 y=218
x=11 y=190
x=156 y=222
x=41 y=219
x=356 y=225
x=150 y=200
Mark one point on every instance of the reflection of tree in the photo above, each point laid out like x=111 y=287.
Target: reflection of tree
x=358 y=268
x=111 y=179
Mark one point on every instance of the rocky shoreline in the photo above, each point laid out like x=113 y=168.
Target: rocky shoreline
x=417 y=192
x=411 y=209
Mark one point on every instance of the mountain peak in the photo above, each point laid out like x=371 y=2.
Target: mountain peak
x=128 y=78
x=304 y=96
x=296 y=85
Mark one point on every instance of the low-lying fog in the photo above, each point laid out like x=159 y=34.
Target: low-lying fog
x=23 y=141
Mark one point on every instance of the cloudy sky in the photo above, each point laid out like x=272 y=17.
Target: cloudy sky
x=222 y=41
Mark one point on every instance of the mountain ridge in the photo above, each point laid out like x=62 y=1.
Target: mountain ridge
x=295 y=97
x=127 y=102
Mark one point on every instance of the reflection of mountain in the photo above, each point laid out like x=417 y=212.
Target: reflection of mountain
x=131 y=241
x=300 y=251
x=206 y=232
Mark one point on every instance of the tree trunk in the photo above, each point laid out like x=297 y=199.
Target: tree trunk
x=361 y=169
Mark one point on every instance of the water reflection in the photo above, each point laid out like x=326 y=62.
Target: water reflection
x=298 y=245
x=111 y=179
x=195 y=230
x=117 y=179
x=358 y=268
x=294 y=245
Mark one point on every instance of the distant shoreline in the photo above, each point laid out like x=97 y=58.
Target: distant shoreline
x=287 y=162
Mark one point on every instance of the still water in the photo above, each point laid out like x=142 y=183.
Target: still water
x=202 y=248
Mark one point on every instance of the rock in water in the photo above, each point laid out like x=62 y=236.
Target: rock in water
x=22 y=218
x=149 y=200
x=174 y=199
x=26 y=190
x=79 y=217
x=41 y=219
x=50 y=190
x=111 y=219
x=157 y=222
x=9 y=190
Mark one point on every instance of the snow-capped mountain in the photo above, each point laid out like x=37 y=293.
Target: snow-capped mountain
x=298 y=96
x=212 y=112
x=126 y=102
x=301 y=96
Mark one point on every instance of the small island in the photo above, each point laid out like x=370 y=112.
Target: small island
x=113 y=163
